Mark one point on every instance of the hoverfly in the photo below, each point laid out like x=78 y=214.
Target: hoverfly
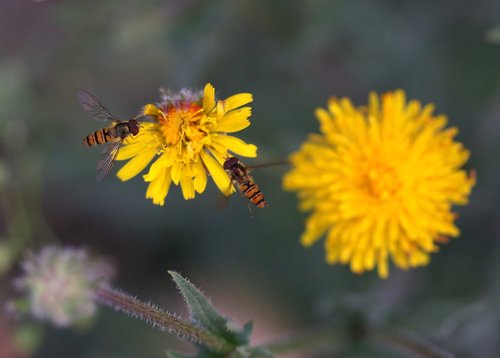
x=114 y=134
x=244 y=182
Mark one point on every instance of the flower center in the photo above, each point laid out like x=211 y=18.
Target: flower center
x=182 y=125
x=382 y=181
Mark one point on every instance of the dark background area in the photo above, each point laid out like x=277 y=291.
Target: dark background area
x=292 y=55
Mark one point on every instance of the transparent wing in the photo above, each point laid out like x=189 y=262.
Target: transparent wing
x=238 y=189
x=223 y=200
x=107 y=159
x=236 y=183
x=92 y=106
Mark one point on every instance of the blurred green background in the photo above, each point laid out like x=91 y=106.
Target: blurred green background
x=292 y=55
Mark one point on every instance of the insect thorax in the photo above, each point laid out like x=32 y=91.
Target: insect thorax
x=239 y=172
x=122 y=129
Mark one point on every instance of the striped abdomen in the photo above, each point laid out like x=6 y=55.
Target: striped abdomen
x=252 y=192
x=100 y=136
x=243 y=181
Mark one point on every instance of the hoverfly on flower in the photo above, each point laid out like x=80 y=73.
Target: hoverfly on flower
x=114 y=134
x=244 y=182
x=189 y=137
x=240 y=177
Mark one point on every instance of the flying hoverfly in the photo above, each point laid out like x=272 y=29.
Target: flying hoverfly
x=244 y=182
x=113 y=135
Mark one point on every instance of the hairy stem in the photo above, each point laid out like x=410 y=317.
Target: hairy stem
x=159 y=318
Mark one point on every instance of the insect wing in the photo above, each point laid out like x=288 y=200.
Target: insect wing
x=236 y=183
x=92 y=106
x=238 y=187
x=107 y=159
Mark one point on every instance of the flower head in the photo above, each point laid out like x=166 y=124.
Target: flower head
x=188 y=138
x=61 y=283
x=380 y=182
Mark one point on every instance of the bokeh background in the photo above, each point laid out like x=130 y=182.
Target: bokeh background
x=292 y=55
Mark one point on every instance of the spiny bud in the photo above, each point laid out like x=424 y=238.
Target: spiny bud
x=60 y=284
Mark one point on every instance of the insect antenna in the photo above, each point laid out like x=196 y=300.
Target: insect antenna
x=270 y=164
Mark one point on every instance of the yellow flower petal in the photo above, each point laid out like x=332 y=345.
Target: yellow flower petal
x=188 y=133
x=177 y=172
x=315 y=227
x=187 y=187
x=381 y=180
x=234 y=121
x=135 y=165
x=383 y=266
x=150 y=110
x=157 y=168
x=130 y=151
x=200 y=177
x=219 y=152
x=236 y=145
x=236 y=101
x=145 y=141
x=159 y=187
x=218 y=174
x=208 y=98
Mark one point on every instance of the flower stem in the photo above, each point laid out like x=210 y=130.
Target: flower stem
x=159 y=318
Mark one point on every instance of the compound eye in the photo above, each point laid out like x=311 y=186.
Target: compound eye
x=133 y=126
x=230 y=162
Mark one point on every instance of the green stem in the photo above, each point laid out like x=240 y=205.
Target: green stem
x=159 y=318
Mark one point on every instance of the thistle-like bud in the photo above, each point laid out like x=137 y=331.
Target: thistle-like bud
x=60 y=284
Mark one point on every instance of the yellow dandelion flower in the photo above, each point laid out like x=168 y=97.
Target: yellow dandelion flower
x=188 y=138
x=380 y=182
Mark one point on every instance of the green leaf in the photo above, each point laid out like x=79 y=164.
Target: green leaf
x=241 y=337
x=206 y=316
x=200 y=307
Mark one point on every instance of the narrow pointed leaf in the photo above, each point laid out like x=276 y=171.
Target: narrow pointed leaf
x=242 y=337
x=200 y=308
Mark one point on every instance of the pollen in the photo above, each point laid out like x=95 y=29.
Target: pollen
x=181 y=124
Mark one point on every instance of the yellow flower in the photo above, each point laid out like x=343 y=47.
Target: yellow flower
x=189 y=138
x=380 y=182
